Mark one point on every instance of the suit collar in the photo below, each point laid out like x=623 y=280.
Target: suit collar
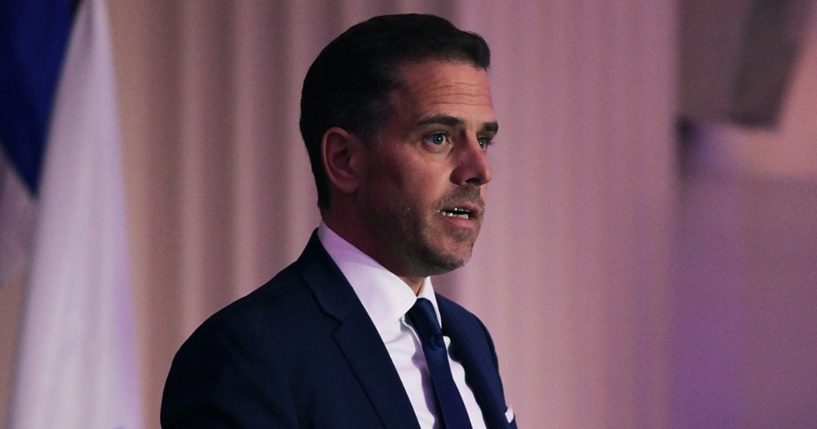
x=357 y=337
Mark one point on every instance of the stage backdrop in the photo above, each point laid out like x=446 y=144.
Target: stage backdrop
x=571 y=271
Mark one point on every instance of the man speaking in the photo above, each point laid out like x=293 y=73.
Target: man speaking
x=397 y=118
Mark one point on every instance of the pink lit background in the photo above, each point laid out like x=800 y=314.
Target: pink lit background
x=627 y=283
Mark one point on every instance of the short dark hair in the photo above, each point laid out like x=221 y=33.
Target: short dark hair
x=349 y=83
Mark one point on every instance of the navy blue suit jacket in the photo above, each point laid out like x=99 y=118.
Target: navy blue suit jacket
x=301 y=352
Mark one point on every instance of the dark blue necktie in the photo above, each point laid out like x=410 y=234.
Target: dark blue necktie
x=450 y=408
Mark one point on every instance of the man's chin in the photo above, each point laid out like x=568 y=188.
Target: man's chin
x=447 y=262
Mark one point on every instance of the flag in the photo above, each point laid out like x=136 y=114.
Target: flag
x=33 y=38
x=76 y=364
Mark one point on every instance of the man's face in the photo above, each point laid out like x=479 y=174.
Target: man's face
x=422 y=199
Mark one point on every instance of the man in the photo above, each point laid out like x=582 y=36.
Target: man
x=397 y=116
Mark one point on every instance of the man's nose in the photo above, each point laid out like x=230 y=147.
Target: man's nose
x=472 y=167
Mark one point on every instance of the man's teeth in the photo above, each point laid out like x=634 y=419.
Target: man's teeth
x=456 y=212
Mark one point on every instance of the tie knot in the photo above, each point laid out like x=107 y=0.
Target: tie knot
x=424 y=319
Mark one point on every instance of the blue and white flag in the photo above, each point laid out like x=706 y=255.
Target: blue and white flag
x=76 y=363
x=33 y=39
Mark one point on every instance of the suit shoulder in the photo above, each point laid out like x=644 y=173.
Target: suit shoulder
x=282 y=301
x=231 y=355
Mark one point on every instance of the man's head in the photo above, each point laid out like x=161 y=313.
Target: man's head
x=397 y=116
x=349 y=84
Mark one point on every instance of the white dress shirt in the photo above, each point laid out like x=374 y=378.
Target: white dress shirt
x=387 y=299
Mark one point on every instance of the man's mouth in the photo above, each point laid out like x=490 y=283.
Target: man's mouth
x=457 y=212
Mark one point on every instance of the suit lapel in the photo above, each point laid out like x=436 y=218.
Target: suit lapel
x=371 y=362
x=471 y=347
x=357 y=338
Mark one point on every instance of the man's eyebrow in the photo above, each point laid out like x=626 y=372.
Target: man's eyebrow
x=491 y=127
x=453 y=121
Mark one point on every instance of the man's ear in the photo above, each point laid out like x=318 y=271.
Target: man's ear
x=342 y=159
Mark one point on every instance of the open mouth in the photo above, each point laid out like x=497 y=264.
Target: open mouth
x=457 y=212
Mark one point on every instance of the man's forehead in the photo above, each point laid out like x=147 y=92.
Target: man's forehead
x=432 y=77
x=436 y=87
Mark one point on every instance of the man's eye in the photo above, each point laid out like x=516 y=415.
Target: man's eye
x=484 y=142
x=438 y=139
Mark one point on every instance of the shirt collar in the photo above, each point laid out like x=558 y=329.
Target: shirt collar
x=385 y=296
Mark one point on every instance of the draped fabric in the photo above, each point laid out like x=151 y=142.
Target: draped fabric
x=570 y=273
x=620 y=293
x=744 y=331
x=76 y=360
